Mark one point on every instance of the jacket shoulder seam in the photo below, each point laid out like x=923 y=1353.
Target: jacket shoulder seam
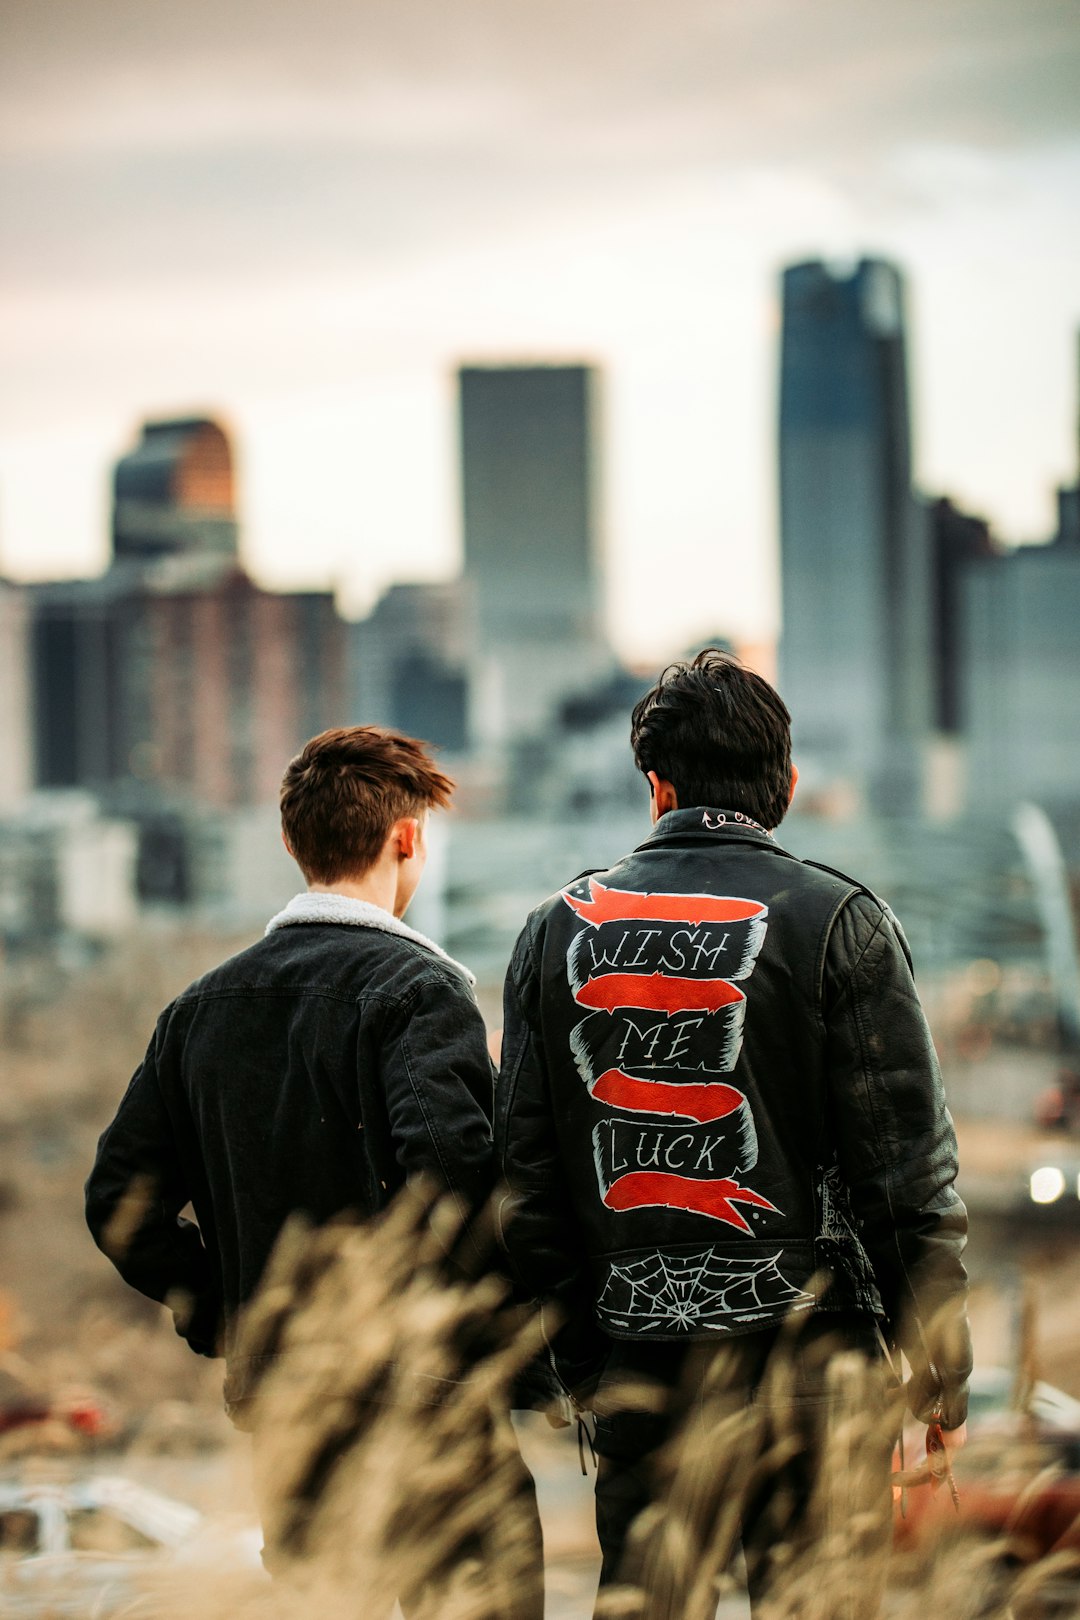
x=875 y=931
x=869 y=1072
x=855 y=884
x=282 y=992
x=842 y=902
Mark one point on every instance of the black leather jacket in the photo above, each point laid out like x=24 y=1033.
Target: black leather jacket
x=718 y=1084
x=313 y=1073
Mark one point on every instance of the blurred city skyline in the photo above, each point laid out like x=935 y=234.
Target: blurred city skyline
x=305 y=218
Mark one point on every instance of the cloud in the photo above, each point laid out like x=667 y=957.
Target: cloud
x=149 y=141
x=230 y=139
x=259 y=204
x=119 y=73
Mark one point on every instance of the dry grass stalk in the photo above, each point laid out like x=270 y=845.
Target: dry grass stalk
x=387 y=1398
x=391 y=1389
x=838 y=1564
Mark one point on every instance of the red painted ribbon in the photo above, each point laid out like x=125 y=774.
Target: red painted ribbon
x=628 y=905
x=714 y=1198
x=658 y=992
x=698 y=1102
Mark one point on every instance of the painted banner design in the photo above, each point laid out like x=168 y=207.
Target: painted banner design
x=676 y=1046
x=656 y=978
x=663 y=1097
x=622 y=905
x=638 y=1163
x=718 y=948
x=658 y=992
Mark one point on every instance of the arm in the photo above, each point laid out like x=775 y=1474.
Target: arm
x=134 y=1196
x=897 y=1150
x=535 y=1216
x=437 y=1081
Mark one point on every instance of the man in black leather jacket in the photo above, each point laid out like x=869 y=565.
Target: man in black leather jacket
x=718 y=1086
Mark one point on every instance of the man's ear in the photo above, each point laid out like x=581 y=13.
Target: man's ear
x=288 y=846
x=794 y=781
x=662 y=794
x=406 y=832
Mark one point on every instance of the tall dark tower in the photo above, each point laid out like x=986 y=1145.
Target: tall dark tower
x=530 y=507
x=854 y=653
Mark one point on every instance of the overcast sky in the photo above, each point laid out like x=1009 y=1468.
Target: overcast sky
x=304 y=215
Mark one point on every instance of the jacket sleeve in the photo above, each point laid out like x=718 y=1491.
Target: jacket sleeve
x=134 y=1196
x=438 y=1082
x=545 y=1249
x=897 y=1150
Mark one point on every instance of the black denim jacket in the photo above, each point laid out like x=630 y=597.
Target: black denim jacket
x=718 y=1087
x=312 y=1073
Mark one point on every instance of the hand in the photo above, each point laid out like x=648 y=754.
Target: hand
x=941 y=1446
x=951 y=1439
x=559 y=1412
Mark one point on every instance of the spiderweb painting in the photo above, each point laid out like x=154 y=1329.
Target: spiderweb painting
x=662 y=1293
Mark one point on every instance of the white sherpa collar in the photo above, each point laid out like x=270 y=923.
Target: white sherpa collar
x=340 y=908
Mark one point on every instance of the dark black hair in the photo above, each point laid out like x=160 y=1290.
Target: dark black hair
x=720 y=734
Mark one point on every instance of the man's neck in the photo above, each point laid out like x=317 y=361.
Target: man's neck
x=377 y=886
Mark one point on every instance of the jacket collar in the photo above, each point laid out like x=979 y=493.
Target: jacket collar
x=705 y=823
x=340 y=909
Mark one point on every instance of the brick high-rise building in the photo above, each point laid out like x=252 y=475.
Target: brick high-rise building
x=174 y=679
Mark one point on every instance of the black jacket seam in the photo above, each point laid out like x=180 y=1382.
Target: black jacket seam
x=868 y=1070
x=510 y=1094
x=885 y=1166
x=417 y=1091
x=823 y=951
x=874 y=932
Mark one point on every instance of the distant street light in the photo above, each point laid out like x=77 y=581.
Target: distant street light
x=1047 y=1184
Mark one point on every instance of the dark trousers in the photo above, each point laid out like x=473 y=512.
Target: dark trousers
x=651 y=1392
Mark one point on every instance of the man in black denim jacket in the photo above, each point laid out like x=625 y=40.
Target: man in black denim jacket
x=315 y=1073
x=717 y=1088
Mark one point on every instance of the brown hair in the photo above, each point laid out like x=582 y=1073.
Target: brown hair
x=344 y=791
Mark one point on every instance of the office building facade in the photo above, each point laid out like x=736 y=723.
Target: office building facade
x=957 y=542
x=409 y=663
x=531 y=516
x=174 y=493
x=855 y=642
x=1022 y=675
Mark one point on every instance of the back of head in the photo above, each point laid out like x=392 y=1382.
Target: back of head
x=343 y=793
x=720 y=734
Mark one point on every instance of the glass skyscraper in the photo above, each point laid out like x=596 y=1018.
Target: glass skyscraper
x=855 y=644
x=530 y=508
